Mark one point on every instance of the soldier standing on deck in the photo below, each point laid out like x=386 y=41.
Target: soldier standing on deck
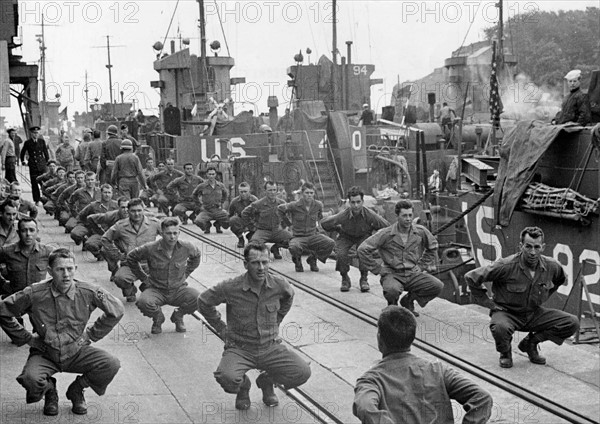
x=257 y=302
x=60 y=309
x=37 y=150
x=409 y=253
x=521 y=283
x=354 y=225
x=111 y=148
x=127 y=173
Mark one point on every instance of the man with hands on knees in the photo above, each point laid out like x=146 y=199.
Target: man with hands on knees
x=59 y=309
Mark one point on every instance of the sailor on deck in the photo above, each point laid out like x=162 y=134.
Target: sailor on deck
x=576 y=106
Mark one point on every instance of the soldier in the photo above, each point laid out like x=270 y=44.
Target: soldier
x=26 y=261
x=111 y=148
x=26 y=208
x=63 y=209
x=93 y=154
x=81 y=198
x=213 y=194
x=576 y=106
x=409 y=252
x=159 y=183
x=60 y=309
x=126 y=136
x=9 y=211
x=253 y=343
x=148 y=195
x=37 y=150
x=170 y=262
x=122 y=238
x=127 y=172
x=87 y=232
x=304 y=214
x=8 y=159
x=82 y=149
x=521 y=283
x=236 y=207
x=12 y=134
x=286 y=122
x=263 y=216
x=354 y=225
x=184 y=186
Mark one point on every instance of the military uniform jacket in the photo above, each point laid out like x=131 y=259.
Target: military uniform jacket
x=354 y=226
x=38 y=154
x=575 y=108
x=23 y=269
x=60 y=319
x=304 y=221
x=263 y=213
x=237 y=205
x=184 y=186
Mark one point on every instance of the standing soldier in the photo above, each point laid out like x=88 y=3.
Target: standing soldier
x=37 y=150
x=170 y=262
x=91 y=159
x=236 y=207
x=122 y=238
x=184 y=186
x=409 y=252
x=158 y=184
x=60 y=309
x=127 y=174
x=111 y=148
x=521 y=283
x=82 y=148
x=305 y=213
x=253 y=342
x=213 y=194
x=126 y=136
x=264 y=217
x=354 y=225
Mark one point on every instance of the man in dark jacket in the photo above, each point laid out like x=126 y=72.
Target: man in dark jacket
x=37 y=150
x=576 y=106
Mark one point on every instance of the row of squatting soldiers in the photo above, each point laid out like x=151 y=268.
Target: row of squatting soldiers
x=521 y=283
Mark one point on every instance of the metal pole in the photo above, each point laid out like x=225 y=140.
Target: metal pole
x=334 y=70
x=109 y=66
x=203 y=47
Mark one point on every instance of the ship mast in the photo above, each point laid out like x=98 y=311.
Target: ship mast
x=500 y=54
x=109 y=67
x=334 y=56
x=42 y=42
x=203 y=47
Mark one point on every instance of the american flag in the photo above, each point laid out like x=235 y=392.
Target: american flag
x=496 y=107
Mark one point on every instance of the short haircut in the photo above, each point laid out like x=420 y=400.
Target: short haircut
x=15 y=184
x=60 y=253
x=158 y=164
x=244 y=184
x=444 y=104
x=169 y=221
x=355 y=191
x=170 y=160
x=122 y=199
x=211 y=168
x=189 y=163
x=259 y=246
x=307 y=186
x=103 y=186
x=533 y=232
x=70 y=173
x=135 y=202
x=51 y=161
x=397 y=328
x=150 y=158
x=25 y=220
x=97 y=134
x=80 y=172
x=403 y=204
x=90 y=174
x=8 y=203
x=61 y=168
x=270 y=183
x=87 y=137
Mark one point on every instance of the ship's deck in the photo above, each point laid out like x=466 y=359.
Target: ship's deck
x=168 y=378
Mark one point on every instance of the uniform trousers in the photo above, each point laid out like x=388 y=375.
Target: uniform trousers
x=239 y=226
x=50 y=207
x=124 y=277
x=220 y=216
x=93 y=244
x=421 y=286
x=281 y=238
x=546 y=323
x=282 y=365
x=79 y=233
x=317 y=245
x=164 y=202
x=10 y=166
x=35 y=188
x=97 y=366
x=70 y=224
x=184 y=297
x=342 y=248
x=181 y=208
x=129 y=187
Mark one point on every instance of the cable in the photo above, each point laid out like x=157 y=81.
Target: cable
x=222 y=30
x=168 y=29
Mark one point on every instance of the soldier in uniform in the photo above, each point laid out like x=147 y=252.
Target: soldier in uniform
x=159 y=183
x=521 y=283
x=60 y=309
x=263 y=216
x=236 y=207
x=111 y=148
x=409 y=253
x=170 y=262
x=576 y=106
x=257 y=302
x=127 y=174
x=9 y=211
x=353 y=225
x=81 y=198
x=305 y=213
x=37 y=150
x=212 y=195
x=184 y=186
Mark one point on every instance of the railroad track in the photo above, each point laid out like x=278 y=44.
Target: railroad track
x=504 y=384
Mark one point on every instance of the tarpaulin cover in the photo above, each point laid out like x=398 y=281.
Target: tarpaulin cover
x=523 y=146
x=304 y=122
x=243 y=123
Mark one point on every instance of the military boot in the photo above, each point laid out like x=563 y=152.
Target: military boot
x=506 y=359
x=298 y=263
x=242 y=400
x=409 y=303
x=241 y=243
x=177 y=319
x=529 y=345
x=265 y=383
x=157 y=322
x=346 y=283
x=312 y=262
x=51 y=398
x=364 y=282
x=275 y=252
x=75 y=395
x=218 y=228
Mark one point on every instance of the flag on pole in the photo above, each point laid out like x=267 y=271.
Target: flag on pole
x=63 y=114
x=496 y=107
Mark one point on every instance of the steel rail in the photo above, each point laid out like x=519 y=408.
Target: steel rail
x=508 y=386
